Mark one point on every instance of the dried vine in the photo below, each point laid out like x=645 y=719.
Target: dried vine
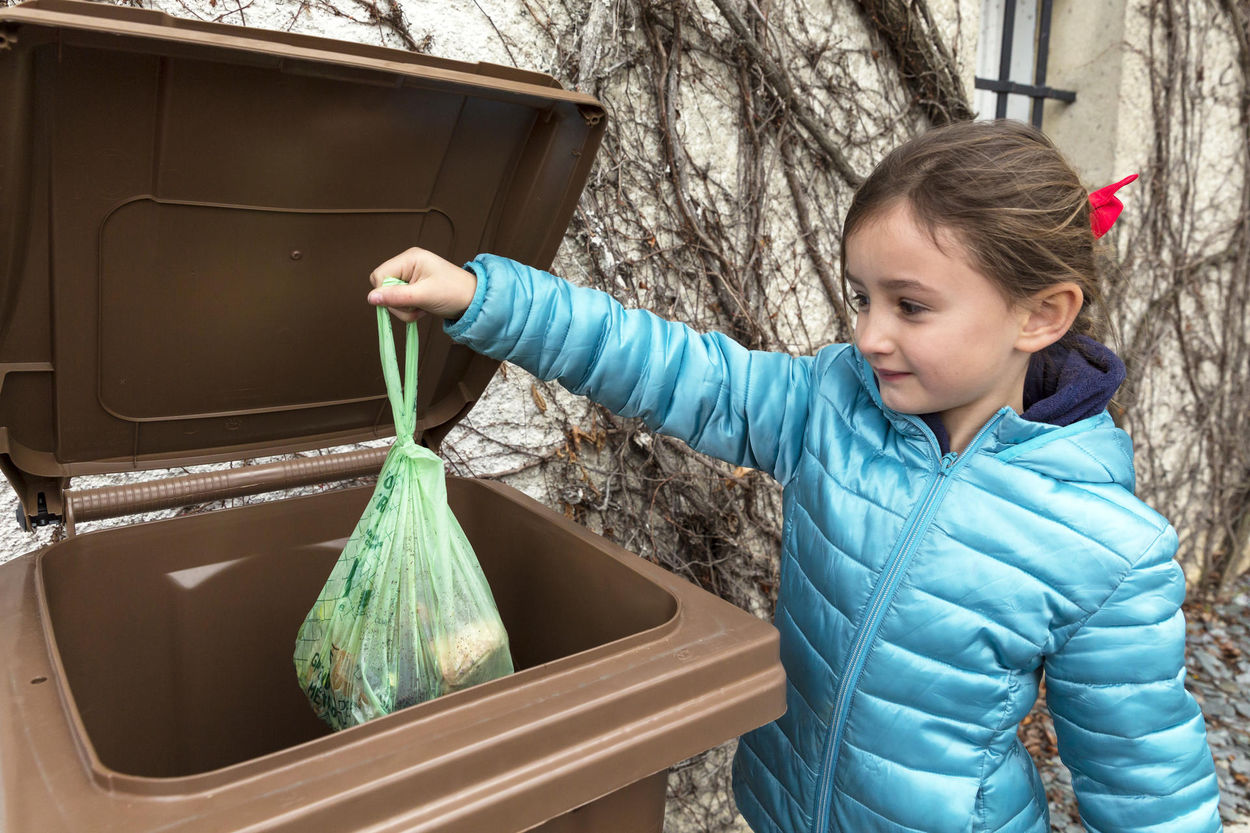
x=1184 y=297
x=924 y=63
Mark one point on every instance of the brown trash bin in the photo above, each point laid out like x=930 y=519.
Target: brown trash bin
x=186 y=214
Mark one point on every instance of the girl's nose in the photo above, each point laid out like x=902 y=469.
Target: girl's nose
x=872 y=337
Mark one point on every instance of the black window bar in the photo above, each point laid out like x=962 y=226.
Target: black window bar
x=1038 y=91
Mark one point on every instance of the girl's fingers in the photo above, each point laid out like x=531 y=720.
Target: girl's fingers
x=431 y=284
x=408 y=296
x=404 y=302
x=406 y=266
x=390 y=270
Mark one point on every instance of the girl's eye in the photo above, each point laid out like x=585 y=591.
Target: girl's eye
x=910 y=308
x=858 y=300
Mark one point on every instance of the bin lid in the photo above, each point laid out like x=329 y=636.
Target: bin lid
x=189 y=213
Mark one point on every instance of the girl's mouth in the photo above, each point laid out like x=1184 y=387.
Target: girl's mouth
x=890 y=375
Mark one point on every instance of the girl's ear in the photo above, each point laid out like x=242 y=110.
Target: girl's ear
x=1048 y=316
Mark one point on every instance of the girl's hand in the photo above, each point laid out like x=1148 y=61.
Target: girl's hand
x=434 y=285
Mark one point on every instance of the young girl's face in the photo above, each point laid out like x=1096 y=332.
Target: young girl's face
x=940 y=336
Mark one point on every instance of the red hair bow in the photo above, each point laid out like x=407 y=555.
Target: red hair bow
x=1105 y=207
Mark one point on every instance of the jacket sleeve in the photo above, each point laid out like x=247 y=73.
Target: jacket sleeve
x=746 y=407
x=1131 y=735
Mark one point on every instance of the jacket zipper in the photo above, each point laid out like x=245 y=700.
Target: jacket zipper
x=876 y=612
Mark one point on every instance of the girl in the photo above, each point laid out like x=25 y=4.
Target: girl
x=959 y=509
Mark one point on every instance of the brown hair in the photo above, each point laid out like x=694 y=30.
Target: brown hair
x=1009 y=197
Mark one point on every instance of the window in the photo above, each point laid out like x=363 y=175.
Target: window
x=1011 y=61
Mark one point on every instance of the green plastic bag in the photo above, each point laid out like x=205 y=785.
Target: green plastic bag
x=406 y=614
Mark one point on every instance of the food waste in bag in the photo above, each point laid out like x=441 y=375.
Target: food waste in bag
x=406 y=614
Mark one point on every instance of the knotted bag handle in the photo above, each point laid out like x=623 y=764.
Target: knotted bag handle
x=403 y=394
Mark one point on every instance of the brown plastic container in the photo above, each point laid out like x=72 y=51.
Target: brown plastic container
x=187 y=215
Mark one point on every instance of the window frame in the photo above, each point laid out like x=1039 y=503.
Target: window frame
x=1003 y=87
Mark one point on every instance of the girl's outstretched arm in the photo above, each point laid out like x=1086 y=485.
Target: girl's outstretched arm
x=745 y=407
x=1130 y=733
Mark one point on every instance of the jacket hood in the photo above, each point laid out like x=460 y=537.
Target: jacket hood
x=1064 y=432
x=1091 y=450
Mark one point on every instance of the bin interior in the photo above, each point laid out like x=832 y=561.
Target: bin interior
x=176 y=636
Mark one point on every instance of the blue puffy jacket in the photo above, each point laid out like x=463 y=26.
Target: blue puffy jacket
x=922 y=595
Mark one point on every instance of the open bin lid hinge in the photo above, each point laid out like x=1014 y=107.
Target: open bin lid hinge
x=189 y=489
